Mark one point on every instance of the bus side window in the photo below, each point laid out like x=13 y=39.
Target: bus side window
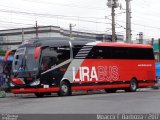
x=63 y=54
x=99 y=54
x=96 y=53
x=76 y=49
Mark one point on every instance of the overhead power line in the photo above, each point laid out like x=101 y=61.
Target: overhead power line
x=66 y=5
x=16 y=23
x=78 y=18
x=51 y=16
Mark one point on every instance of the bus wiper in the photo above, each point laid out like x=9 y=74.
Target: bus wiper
x=22 y=66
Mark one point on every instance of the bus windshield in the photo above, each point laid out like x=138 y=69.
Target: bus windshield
x=24 y=60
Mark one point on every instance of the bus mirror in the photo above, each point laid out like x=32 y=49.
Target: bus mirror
x=37 y=52
x=7 y=55
x=17 y=56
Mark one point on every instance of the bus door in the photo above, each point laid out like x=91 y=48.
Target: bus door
x=7 y=67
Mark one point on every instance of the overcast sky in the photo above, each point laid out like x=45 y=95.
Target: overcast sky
x=87 y=15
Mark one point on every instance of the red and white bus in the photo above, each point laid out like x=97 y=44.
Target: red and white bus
x=47 y=65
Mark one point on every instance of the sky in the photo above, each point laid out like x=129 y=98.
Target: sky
x=86 y=15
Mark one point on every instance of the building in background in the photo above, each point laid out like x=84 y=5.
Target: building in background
x=14 y=37
x=17 y=36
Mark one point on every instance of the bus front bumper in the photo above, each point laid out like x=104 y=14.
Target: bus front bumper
x=34 y=90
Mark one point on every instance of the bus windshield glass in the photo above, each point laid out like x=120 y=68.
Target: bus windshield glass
x=24 y=60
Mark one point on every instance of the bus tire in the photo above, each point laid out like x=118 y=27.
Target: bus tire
x=133 y=86
x=110 y=90
x=65 y=89
x=39 y=95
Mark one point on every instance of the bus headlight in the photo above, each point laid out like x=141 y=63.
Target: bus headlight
x=35 y=83
x=11 y=84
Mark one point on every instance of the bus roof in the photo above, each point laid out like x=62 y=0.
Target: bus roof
x=53 y=41
x=123 y=45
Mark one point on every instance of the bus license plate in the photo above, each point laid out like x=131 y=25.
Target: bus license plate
x=46 y=86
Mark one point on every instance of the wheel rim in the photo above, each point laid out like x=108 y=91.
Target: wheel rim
x=133 y=85
x=64 y=88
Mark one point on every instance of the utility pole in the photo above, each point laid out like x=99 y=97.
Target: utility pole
x=128 y=21
x=113 y=4
x=113 y=23
x=22 y=35
x=152 y=41
x=36 y=29
x=158 y=50
x=70 y=29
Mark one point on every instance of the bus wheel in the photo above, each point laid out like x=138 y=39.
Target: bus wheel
x=110 y=90
x=133 y=86
x=39 y=95
x=65 y=89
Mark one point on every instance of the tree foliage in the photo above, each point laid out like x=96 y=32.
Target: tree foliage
x=2 y=52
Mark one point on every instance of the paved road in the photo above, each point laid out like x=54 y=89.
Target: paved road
x=144 y=101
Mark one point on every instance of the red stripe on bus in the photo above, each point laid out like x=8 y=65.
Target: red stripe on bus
x=34 y=90
x=146 y=84
x=100 y=87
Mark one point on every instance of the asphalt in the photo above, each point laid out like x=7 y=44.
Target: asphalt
x=93 y=102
